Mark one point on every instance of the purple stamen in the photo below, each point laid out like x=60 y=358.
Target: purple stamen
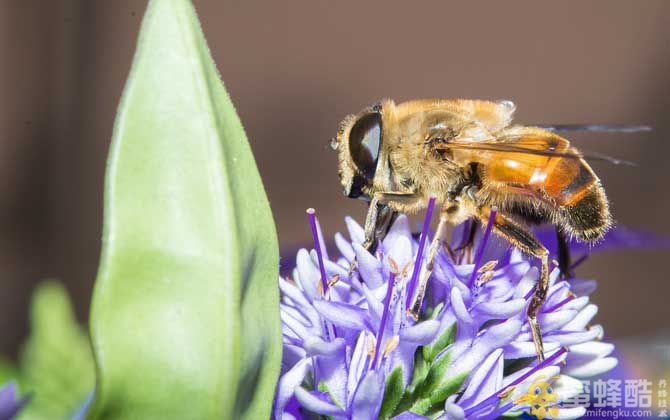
x=385 y=314
x=496 y=396
x=482 y=246
x=502 y=410
x=311 y=214
x=559 y=304
x=419 y=255
x=530 y=293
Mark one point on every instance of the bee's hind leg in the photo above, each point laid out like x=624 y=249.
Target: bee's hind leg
x=527 y=243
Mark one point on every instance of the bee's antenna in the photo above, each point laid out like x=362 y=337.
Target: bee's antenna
x=596 y=128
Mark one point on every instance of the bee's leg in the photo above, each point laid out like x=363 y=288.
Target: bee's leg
x=370 y=228
x=438 y=240
x=469 y=243
x=528 y=244
x=379 y=219
x=380 y=216
x=564 y=262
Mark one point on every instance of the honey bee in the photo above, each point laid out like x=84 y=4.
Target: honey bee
x=469 y=156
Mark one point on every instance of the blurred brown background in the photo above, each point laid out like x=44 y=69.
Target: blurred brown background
x=294 y=69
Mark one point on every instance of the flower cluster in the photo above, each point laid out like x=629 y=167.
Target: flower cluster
x=352 y=351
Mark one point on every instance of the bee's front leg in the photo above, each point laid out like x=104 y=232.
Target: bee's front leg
x=370 y=224
x=527 y=243
x=379 y=219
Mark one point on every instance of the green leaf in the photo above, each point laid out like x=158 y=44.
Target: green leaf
x=445 y=339
x=446 y=388
x=56 y=365
x=185 y=318
x=421 y=398
x=433 y=312
x=420 y=371
x=437 y=386
x=418 y=376
x=393 y=392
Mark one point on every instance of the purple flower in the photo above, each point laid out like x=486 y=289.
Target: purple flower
x=10 y=404
x=351 y=350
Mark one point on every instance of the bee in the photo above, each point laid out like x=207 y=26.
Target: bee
x=469 y=156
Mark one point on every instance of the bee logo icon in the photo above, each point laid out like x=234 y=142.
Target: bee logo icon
x=542 y=399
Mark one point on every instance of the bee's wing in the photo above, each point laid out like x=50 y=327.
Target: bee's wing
x=532 y=172
x=530 y=141
x=596 y=128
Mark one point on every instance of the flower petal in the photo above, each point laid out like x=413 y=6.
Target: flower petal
x=375 y=305
x=499 y=310
x=593 y=368
x=313 y=403
x=569 y=338
x=399 y=229
x=587 y=351
x=288 y=383
x=453 y=411
x=545 y=374
x=369 y=267
x=408 y=415
x=291 y=356
x=299 y=299
x=554 y=320
x=356 y=232
x=330 y=267
x=9 y=405
x=583 y=318
x=330 y=366
x=343 y=314
x=292 y=324
x=486 y=380
x=308 y=274
x=523 y=349
x=322 y=242
x=368 y=398
x=358 y=363
x=460 y=310
x=401 y=253
x=527 y=282
x=567 y=387
x=344 y=247
x=420 y=334
x=570 y=413
x=583 y=287
x=315 y=346
x=577 y=304
x=496 y=336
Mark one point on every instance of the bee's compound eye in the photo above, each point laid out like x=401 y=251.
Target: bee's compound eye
x=364 y=143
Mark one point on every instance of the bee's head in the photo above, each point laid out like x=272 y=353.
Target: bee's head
x=358 y=144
